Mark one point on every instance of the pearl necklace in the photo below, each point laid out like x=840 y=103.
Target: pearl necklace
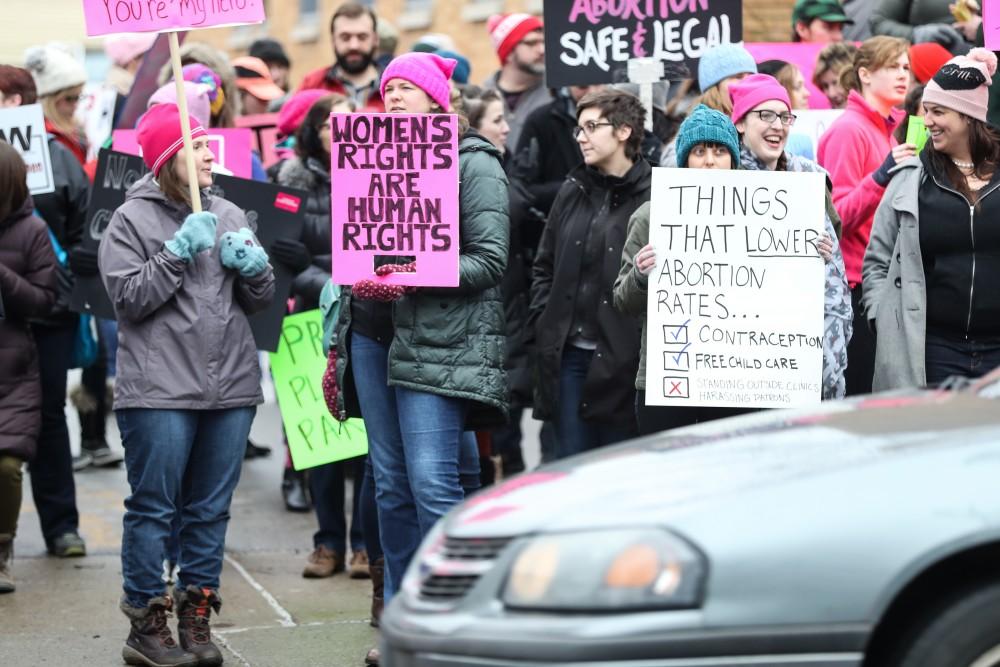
x=963 y=165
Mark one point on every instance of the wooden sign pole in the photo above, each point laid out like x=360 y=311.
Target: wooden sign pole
x=175 y=62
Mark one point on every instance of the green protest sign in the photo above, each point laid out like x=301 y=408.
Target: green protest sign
x=916 y=133
x=314 y=436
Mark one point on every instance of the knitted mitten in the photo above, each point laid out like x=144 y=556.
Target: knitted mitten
x=196 y=234
x=241 y=252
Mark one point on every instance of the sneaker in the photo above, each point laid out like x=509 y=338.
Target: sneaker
x=105 y=457
x=83 y=461
x=68 y=545
x=6 y=556
x=255 y=451
x=373 y=657
x=323 y=563
x=358 y=568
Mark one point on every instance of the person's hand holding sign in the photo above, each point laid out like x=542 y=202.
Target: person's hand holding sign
x=645 y=260
x=377 y=291
x=825 y=247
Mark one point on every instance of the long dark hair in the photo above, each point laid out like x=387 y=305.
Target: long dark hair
x=984 y=148
x=13 y=181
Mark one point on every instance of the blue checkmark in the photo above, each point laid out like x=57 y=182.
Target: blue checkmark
x=679 y=355
x=680 y=330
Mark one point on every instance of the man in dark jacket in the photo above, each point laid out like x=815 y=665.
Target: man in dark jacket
x=64 y=210
x=587 y=352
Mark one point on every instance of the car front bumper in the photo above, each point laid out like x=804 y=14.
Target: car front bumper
x=414 y=639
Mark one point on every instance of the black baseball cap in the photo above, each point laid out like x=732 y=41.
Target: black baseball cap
x=825 y=10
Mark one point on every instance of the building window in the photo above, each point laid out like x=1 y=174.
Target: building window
x=417 y=15
x=477 y=11
x=306 y=29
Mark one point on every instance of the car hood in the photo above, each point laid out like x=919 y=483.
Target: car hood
x=662 y=477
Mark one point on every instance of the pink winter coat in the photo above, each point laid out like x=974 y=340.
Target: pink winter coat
x=852 y=150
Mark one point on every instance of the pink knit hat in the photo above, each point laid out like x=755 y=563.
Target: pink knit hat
x=294 y=111
x=507 y=30
x=428 y=71
x=160 y=137
x=754 y=90
x=197 y=99
x=126 y=47
x=962 y=84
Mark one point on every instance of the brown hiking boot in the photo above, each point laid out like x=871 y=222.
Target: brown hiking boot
x=194 y=606
x=150 y=642
x=359 y=568
x=373 y=657
x=378 y=591
x=6 y=559
x=322 y=563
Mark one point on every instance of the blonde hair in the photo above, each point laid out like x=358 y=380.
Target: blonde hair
x=51 y=112
x=714 y=98
x=874 y=53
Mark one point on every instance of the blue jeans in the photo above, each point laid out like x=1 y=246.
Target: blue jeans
x=954 y=356
x=575 y=434
x=414 y=444
x=326 y=482
x=191 y=455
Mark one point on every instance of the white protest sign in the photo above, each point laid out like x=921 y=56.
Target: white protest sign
x=95 y=113
x=24 y=129
x=735 y=309
x=812 y=124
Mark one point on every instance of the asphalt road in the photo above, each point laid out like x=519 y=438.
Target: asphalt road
x=66 y=611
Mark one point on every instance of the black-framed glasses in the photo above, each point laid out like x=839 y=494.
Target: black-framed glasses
x=588 y=128
x=787 y=118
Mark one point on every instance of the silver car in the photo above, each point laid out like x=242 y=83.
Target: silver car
x=864 y=532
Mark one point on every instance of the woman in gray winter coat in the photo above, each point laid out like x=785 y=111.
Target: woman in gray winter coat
x=27 y=289
x=931 y=270
x=188 y=383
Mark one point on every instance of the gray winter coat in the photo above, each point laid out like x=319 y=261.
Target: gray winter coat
x=530 y=100
x=895 y=292
x=183 y=335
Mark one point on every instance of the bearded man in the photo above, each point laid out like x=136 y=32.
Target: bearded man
x=520 y=45
x=354 y=34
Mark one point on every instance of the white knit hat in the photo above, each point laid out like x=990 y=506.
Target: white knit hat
x=53 y=69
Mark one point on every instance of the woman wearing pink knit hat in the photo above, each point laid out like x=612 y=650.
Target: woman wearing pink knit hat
x=762 y=115
x=424 y=366
x=931 y=270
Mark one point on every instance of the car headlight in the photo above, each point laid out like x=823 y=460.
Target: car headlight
x=622 y=569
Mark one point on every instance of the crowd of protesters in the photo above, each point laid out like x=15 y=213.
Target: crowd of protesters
x=554 y=261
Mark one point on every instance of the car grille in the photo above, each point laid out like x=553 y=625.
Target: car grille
x=457 y=566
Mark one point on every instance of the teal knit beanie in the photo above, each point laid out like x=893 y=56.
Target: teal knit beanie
x=707 y=125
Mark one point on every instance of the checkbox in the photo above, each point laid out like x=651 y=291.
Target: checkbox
x=676 y=361
x=675 y=387
x=676 y=333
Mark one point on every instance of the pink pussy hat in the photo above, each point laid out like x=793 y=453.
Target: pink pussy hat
x=160 y=136
x=197 y=94
x=963 y=83
x=428 y=71
x=753 y=90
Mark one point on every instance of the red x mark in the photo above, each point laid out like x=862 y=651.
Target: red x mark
x=675 y=388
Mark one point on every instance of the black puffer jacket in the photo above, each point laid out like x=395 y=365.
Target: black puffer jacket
x=28 y=286
x=609 y=393
x=65 y=212
x=309 y=175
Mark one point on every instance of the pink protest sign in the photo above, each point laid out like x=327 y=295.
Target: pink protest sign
x=107 y=17
x=394 y=193
x=231 y=147
x=802 y=54
x=265 y=135
x=991 y=25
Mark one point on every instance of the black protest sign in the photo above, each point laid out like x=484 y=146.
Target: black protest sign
x=276 y=212
x=394 y=192
x=116 y=172
x=591 y=41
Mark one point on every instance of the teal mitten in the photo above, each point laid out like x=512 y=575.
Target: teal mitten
x=240 y=252
x=196 y=234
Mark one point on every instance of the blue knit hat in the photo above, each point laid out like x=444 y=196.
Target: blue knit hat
x=707 y=125
x=724 y=61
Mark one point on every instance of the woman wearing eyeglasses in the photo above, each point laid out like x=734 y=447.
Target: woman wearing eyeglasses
x=588 y=352
x=762 y=115
x=59 y=79
x=859 y=150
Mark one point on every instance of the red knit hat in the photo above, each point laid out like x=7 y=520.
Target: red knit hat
x=160 y=137
x=926 y=59
x=507 y=30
